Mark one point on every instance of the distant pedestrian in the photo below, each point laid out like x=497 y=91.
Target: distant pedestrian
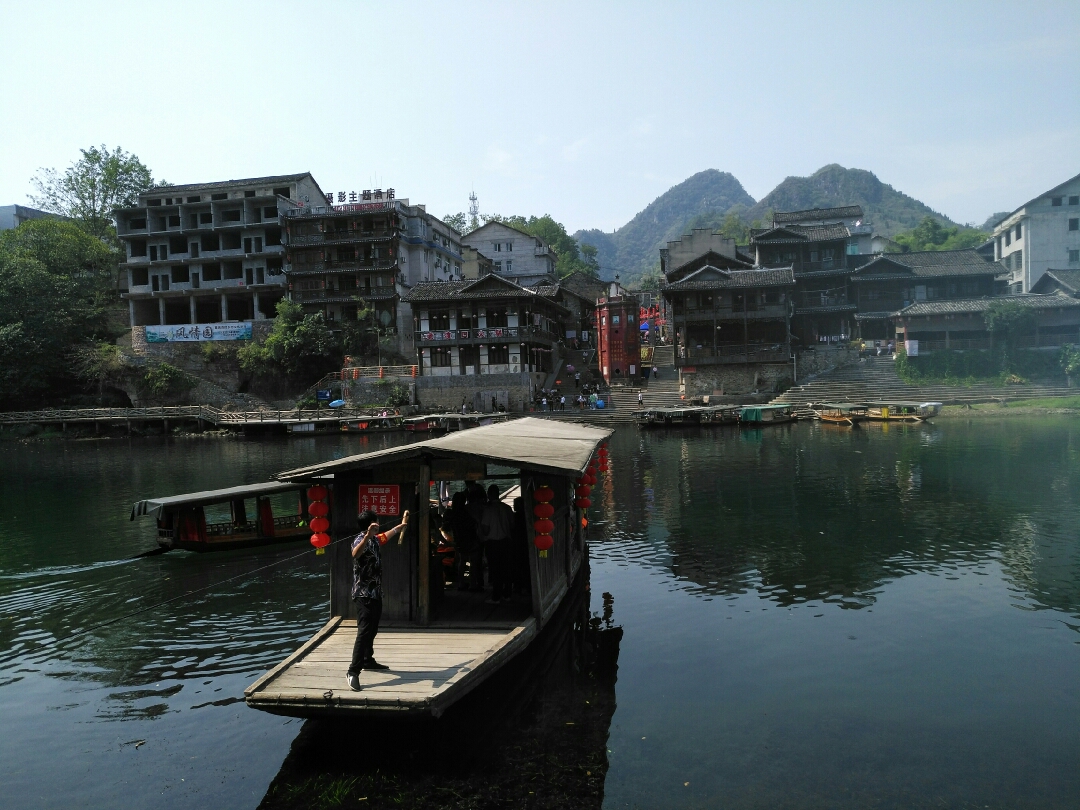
x=543 y=404
x=562 y=403
x=640 y=399
x=577 y=379
x=655 y=372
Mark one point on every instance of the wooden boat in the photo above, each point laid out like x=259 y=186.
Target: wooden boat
x=690 y=415
x=221 y=519
x=761 y=415
x=840 y=413
x=893 y=411
x=372 y=424
x=438 y=644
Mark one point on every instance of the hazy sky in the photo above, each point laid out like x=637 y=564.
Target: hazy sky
x=587 y=111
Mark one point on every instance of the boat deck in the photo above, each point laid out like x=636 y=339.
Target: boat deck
x=430 y=668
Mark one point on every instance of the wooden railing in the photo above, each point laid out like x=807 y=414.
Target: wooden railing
x=207 y=413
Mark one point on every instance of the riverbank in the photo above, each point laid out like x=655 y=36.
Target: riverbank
x=1049 y=406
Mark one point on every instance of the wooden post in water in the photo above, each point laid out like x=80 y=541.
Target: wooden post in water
x=423 y=526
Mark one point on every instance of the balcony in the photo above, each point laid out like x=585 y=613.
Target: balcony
x=811 y=300
x=331 y=295
x=703 y=314
x=443 y=337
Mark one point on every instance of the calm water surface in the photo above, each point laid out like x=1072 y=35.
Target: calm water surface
x=813 y=617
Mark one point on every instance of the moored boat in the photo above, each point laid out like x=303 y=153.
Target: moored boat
x=235 y=517
x=437 y=644
x=894 y=411
x=761 y=415
x=840 y=413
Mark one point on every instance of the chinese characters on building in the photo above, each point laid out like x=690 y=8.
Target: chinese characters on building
x=380 y=499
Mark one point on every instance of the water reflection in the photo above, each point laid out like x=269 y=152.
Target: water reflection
x=803 y=513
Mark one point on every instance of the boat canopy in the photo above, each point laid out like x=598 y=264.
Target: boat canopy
x=843 y=406
x=528 y=443
x=152 y=505
x=892 y=403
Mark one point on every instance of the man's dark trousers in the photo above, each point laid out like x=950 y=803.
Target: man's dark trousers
x=368 y=613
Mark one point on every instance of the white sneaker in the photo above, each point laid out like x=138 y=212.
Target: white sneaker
x=354 y=681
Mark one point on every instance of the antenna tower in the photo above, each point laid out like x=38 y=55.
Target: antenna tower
x=474 y=211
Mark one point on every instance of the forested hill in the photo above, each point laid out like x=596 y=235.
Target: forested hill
x=704 y=199
x=635 y=247
x=890 y=211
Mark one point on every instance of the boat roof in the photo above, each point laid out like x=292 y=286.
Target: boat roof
x=769 y=407
x=899 y=403
x=152 y=505
x=536 y=444
x=841 y=406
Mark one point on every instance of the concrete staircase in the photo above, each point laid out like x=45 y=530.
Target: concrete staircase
x=875 y=378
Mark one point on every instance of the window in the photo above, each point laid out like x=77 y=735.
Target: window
x=1008 y=237
x=282 y=192
x=211 y=242
x=1018 y=260
x=498 y=267
x=1074 y=224
x=211 y=272
x=270 y=212
x=496 y=316
x=509 y=246
x=137 y=247
x=1019 y=232
x=1055 y=201
x=180 y=275
x=206 y=218
x=249 y=193
x=1074 y=257
x=140 y=275
x=137 y=224
x=194 y=199
x=498 y=247
x=498 y=354
x=153 y=253
x=440 y=358
x=1074 y=199
x=234 y=270
x=439 y=320
x=231 y=216
x=230 y=241
x=509 y=265
x=174 y=220
x=219 y=196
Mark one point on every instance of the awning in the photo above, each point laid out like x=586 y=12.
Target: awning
x=152 y=505
x=529 y=443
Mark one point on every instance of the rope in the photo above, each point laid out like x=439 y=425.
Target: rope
x=84 y=631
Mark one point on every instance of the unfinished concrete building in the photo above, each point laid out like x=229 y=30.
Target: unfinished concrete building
x=209 y=252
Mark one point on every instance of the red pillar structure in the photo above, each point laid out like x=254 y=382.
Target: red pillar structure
x=617 y=339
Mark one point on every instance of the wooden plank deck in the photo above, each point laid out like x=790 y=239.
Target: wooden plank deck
x=430 y=668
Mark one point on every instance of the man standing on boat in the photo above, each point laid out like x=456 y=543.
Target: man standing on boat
x=367 y=591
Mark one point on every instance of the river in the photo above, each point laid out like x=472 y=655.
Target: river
x=812 y=616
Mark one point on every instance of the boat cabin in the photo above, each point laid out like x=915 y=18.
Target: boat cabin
x=236 y=517
x=893 y=411
x=841 y=413
x=438 y=642
x=757 y=415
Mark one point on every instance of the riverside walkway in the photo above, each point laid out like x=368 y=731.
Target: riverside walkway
x=166 y=413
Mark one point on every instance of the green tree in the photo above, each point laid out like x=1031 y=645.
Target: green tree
x=931 y=234
x=459 y=222
x=1008 y=321
x=98 y=364
x=51 y=300
x=299 y=347
x=92 y=187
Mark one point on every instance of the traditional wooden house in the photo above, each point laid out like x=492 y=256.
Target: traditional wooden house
x=1063 y=281
x=578 y=292
x=731 y=316
x=893 y=281
x=488 y=326
x=960 y=324
x=438 y=644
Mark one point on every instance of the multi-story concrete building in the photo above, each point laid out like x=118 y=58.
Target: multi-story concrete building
x=1041 y=234
x=209 y=252
x=369 y=251
x=515 y=255
x=12 y=216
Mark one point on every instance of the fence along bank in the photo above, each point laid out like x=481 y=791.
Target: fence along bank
x=439 y=646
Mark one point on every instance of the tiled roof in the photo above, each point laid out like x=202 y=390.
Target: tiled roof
x=927 y=264
x=846 y=212
x=967 y=305
x=790 y=234
x=476 y=290
x=251 y=181
x=710 y=278
x=1069 y=279
x=583 y=285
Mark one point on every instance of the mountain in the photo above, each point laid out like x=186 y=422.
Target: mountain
x=993 y=220
x=635 y=247
x=704 y=199
x=888 y=210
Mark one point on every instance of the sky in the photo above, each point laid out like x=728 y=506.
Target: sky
x=587 y=111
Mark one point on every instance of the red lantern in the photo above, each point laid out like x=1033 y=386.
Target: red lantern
x=544 y=526
x=590 y=480
x=544 y=494
x=320 y=540
x=319 y=524
x=583 y=491
x=543 y=510
x=317 y=493
x=318 y=509
x=582 y=503
x=603 y=466
x=543 y=542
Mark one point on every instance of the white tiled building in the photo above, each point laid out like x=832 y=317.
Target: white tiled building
x=1042 y=234
x=515 y=255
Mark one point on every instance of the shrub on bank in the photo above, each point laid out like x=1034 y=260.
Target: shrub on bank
x=967 y=367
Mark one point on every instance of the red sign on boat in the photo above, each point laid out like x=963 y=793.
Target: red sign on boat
x=382 y=500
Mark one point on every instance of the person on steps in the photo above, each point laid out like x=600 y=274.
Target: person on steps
x=367 y=591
